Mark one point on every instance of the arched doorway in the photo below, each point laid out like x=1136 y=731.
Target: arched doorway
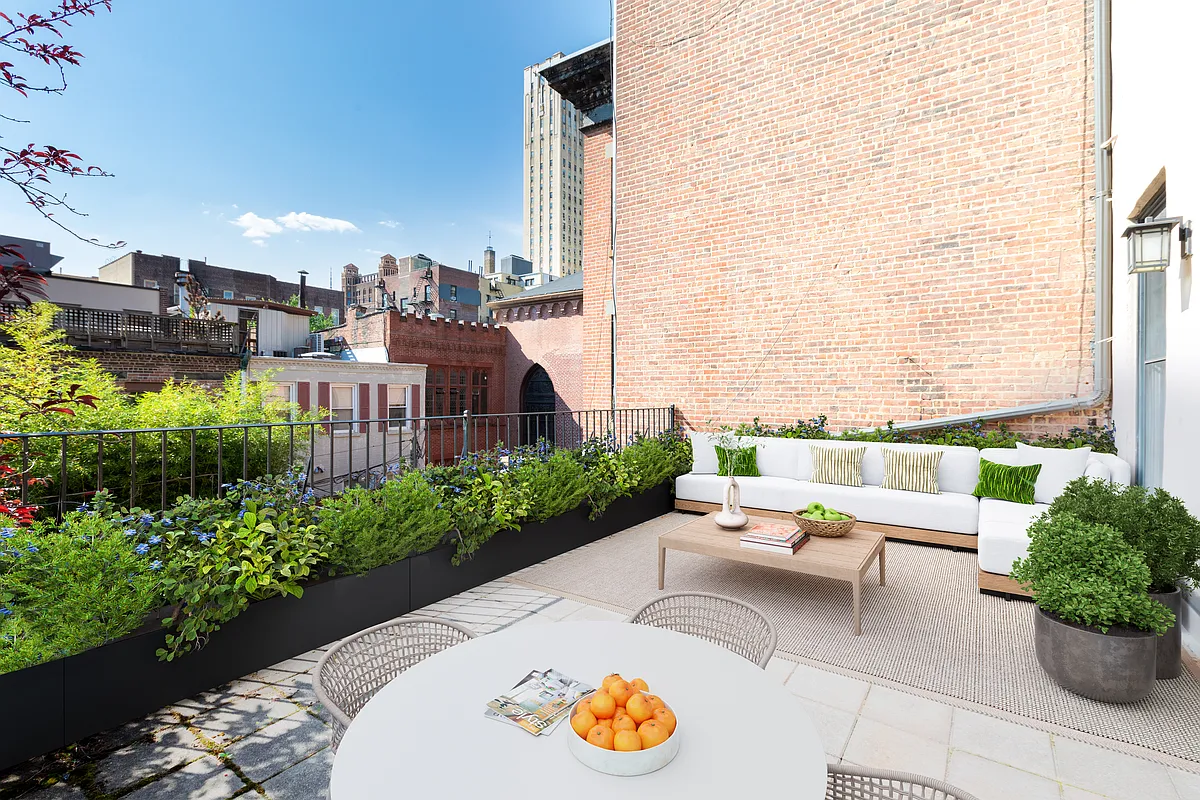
x=537 y=406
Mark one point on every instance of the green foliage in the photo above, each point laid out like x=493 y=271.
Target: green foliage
x=658 y=459
x=261 y=553
x=1087 y=573
x=65 y=590
x=1155 y=523
x=974 y=434
x=609 y=476
x=557 y=485
x=367 y=528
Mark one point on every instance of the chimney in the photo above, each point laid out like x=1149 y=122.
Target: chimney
x=303 y=286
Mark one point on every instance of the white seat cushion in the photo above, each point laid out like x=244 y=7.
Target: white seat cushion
x=1059 y=467
x=1003 y=532
x=776 y=494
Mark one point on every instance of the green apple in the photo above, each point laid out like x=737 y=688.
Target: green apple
x=815 y=506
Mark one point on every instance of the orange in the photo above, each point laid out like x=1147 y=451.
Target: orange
x=667 y=717
x=656 y=701
x=627 y=741
x=624 y=722
x=605 y=723
x=582 y=723
x=620 y=691
x=652 y=731
x=639 y=708
x=608 y=679
x=583 y=705
x=603 y=705
x=601 y=737
x=639 y=684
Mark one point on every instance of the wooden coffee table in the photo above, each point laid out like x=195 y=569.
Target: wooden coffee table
x=846 y=558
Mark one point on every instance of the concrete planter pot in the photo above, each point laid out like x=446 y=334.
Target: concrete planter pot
x=1170 y=644
x=1114 y=667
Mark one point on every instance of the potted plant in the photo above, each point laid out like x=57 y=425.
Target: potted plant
x=1157 y=525
x=1095 y=627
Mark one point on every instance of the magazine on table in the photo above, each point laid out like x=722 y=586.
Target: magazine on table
x=771 y=532
x=539 y=701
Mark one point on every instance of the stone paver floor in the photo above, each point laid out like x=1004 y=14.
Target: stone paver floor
x=266 y=736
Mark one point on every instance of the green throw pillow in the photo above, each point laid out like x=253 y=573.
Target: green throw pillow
x=738 y=461
x=1003 y=482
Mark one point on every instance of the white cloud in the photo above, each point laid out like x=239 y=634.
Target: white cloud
x=303 y=221
x=390 y=223
x=255 y=227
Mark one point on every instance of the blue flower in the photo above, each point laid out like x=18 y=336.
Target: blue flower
x=241 y=513
x=156 y=565
x=146 y=519
x=131 y=532
x=166 y=521
x=32 y=548
x=5 y=611
x=83 y=506
x=268 y=505
x=142 y=549
x=7 y=533
x=155 y=540
x=203 y=537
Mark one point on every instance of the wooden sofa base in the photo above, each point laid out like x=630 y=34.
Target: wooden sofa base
x=958 y=541
x=1002 y=586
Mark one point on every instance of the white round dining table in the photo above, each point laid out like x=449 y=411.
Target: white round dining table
x=425 y=734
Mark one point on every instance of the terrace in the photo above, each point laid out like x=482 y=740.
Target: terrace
x=943 y=680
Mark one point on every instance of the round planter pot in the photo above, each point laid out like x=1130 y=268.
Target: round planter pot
x=1170 y=644
x=1112 y=668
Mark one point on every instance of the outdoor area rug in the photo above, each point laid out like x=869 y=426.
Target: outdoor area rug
x=929 y=629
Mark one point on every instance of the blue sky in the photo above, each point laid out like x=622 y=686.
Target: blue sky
x=400 y=119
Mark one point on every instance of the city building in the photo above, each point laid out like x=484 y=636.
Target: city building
x=218 y=283
x=844 y=251
x=417 y=283
x=551 y=213
x=73 y=291
x=33 y=252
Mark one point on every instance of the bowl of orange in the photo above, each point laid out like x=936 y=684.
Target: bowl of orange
x=623 y=729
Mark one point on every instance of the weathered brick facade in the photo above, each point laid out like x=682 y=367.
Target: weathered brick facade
x=871 y=210
x=149 y=371
x=547 y=332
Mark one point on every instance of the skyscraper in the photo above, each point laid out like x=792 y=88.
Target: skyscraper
x=553 y=210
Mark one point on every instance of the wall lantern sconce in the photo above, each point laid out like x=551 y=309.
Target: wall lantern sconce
x=1150 y=243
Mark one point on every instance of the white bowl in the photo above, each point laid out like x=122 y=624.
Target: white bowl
x=611 y=762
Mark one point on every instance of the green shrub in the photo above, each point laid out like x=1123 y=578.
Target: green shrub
x=65 y=590
x=1155 y=523
x=557 y=485
x=367 y=528
x=1087 y=573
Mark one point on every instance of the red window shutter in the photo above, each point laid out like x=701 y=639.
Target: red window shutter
x=417 y=410
x=364 y=405
x=302 y=389
x=383 y=406
x=323 y=399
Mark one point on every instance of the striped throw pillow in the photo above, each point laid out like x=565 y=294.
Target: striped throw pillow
x=840 y=465
x=1002 y=482
x=911 y=470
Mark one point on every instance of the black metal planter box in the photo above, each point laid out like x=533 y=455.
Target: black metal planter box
x=48 y=706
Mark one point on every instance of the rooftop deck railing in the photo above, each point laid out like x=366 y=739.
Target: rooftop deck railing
x=127 y=330
x=150 y=467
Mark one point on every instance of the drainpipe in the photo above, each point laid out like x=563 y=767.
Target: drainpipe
x=1102 y=337
x=612 y=388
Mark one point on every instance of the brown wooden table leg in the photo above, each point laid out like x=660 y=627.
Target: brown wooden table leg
x=883 y=563
x=662 y=565
x=858 y=606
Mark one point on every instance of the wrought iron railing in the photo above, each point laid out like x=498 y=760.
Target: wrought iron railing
x=150 y=467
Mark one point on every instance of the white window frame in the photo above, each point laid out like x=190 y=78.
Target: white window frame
x=405 y=422
x=340 y=430
x=149 y=284
x=290 y=386
x=227 y=294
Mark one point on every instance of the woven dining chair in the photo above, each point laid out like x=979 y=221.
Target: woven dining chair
x=844 y=782
x=721 y=620
x=357 y=667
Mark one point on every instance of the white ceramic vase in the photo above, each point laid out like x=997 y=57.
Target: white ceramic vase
x=731 y=517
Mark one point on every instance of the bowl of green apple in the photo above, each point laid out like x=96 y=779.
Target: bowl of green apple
x=819 y=520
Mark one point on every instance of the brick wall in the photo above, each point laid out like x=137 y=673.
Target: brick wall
x=871 y=210
x=597 y=268
x=145 y=371
x=549 y=334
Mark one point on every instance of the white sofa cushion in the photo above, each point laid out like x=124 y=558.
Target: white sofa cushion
x=1059 y=467
x=704 y=453
x=1097 y=470
x=952 y=512
x=1003 y=532
x=777 y=457
x=1120 y=469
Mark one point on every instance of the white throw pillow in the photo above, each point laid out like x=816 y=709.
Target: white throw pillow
x=704 y=453
x=1098 y=471
x=1059 y=467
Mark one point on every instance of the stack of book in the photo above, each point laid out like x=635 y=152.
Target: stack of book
x=774 y=538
